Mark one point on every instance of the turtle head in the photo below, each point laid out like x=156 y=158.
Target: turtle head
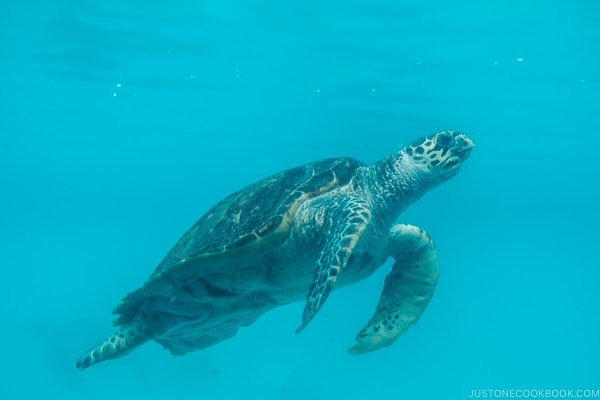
x=439 y=157
x=403 y=177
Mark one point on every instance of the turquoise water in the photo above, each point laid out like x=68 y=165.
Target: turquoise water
x=121 y=122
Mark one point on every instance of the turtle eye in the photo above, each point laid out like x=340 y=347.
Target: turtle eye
x=444 y=139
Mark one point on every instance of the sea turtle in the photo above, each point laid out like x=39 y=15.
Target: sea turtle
x=289 y=237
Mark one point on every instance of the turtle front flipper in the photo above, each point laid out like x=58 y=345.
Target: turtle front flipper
x=344 y=227
x=407 y=290
x=127 y=338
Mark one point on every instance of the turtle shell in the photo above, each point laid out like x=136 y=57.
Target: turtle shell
x=247 y=223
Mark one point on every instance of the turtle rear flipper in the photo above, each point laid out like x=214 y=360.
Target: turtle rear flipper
x=407 y=291
x=127 y=338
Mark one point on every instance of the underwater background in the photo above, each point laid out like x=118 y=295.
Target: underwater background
x=122 y=122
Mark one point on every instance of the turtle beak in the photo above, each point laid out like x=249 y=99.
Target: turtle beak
x=464 y=146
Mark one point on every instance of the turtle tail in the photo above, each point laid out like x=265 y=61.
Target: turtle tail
x=127 y=338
